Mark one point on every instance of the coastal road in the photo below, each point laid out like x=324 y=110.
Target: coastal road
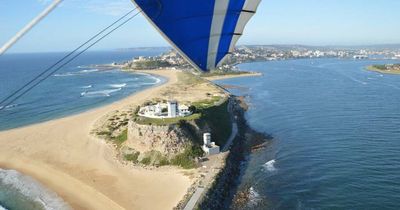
x=193 y=200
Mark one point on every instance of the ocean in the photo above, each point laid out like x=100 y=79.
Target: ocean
x=336 y=135
x=76 y=88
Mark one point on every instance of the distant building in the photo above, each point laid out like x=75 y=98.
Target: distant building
x=360 y=57
x=210 y=148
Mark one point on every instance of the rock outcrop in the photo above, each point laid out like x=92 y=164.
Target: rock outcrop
x=167 y=139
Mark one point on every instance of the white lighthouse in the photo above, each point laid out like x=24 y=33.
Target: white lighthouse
x=172 y=109
x=210 y=148
x=207 y=138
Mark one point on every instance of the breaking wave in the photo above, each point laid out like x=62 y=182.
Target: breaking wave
x=31 y=189
x=82 y=72
x=270 y=166
x=156 y=81
x=9 y=106
x=254 y=197
x=88 y=70
x=87 y=86
x=65 y=74
x=2 y=208
x=118 y=85
x=99 y=93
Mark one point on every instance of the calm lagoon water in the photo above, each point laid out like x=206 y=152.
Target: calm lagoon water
x=336 y=130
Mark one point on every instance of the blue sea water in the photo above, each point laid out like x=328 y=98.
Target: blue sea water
x=76 y=88
x=336 y=130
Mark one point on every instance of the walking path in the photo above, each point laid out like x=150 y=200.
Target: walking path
x=193 y=200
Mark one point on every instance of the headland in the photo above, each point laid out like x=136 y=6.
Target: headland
x=68 y=157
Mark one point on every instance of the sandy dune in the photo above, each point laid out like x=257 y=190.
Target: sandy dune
x=63 y=156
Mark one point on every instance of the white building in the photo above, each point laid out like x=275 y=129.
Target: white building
x=171 y=109
x=210 y=148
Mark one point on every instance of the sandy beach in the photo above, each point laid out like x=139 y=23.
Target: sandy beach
x=82 y=169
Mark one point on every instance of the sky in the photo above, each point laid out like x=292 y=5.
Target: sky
x=308 y=22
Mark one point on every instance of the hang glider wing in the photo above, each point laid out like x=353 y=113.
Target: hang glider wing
x=204 y=32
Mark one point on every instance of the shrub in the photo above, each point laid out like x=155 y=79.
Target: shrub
x=104 y=133
x=121 y=138
x=186 y=159
x=132 y=157
x=146 y=161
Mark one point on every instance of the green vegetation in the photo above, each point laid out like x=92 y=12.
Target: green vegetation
x=104 y=133
x=205 y=104
x=121 y=138
x=146 y=161
x=154 y=158
x=133 y=157
x=219 y=120
x=150 y=64
x=224 y=73
x=380 y=67
x=186 y=159
x=385 y=69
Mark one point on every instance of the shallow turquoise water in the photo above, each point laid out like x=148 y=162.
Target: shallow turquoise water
x=336 y=130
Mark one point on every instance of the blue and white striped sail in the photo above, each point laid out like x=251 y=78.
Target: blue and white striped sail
x=204 y=32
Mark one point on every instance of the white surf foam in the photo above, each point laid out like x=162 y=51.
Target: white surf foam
x=118 y=85
x=88 y=70
x=68 y=74
x=156 y=81
x=254 y=197
x=32 y=189
x=2 y=208
x=9 y=106
x=87 y=86
x=270 y=166
x=100 y=92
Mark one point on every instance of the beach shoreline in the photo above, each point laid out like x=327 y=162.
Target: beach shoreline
x=62 y=155
x=82 y=169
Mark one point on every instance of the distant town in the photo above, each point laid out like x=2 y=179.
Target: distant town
x=172 y=60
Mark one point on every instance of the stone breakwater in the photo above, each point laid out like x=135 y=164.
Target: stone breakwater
x=223 y=194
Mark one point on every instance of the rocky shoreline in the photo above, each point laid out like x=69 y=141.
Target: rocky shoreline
x=223 y=193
